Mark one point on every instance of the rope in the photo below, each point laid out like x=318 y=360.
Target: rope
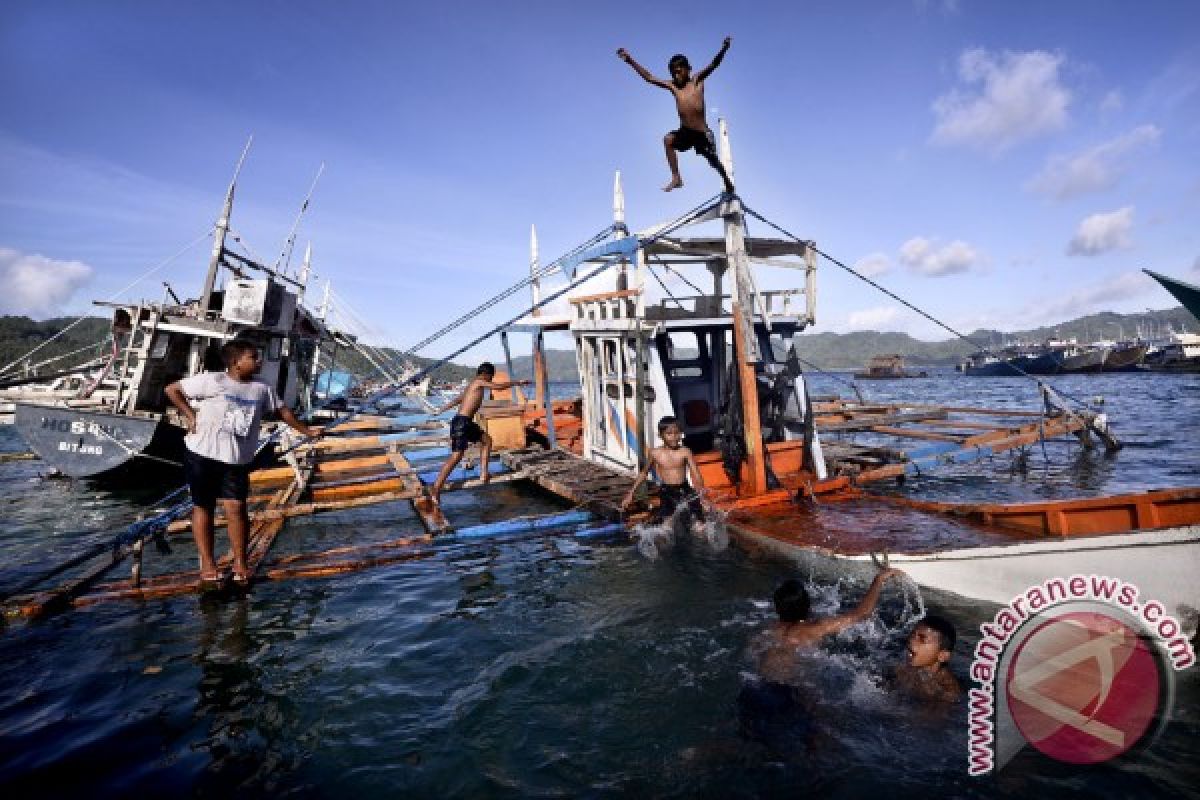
x=541 y=273
x=904 y=302
x=4 y=370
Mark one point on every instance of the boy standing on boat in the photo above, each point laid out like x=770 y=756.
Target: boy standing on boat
x=674 y=465
x=693 y=131
x=463 y=429
x=221 y=442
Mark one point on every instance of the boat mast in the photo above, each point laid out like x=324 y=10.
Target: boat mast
x=222 y=229
x=745 y=343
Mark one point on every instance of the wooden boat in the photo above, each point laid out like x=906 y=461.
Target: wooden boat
x=889 y=367
x=132 y=425
x=995 y=552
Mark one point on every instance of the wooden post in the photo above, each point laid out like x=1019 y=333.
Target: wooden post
x=135 y=576
x=543 y=394
x=745 y=343
x=535 y=285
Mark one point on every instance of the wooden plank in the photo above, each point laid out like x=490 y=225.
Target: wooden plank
x=431 y=515
x=907 y=433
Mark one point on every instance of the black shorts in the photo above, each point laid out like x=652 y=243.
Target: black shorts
x=210 y=480
x=463 y=432
x=672 y=498
x=702 y=141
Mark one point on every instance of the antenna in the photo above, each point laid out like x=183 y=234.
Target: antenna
x=285 y=257
x=222 y=229
x=535 y=284
x=618 y=203
x=305 y=269
x=726 y=150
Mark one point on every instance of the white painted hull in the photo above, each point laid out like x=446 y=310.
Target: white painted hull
x=1163 y=564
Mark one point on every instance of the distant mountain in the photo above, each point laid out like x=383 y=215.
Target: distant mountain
x=19 y=335
x=842 y=351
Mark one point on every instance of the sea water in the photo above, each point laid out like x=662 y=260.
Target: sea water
x=536 y=665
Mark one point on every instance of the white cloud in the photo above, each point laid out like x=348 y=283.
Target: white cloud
x=924 y=256
x=873 y=265
x=1112 y=102
x=1007 y=98
x=1101 y=233
x=872 y=319
x=1092 y=170
x=38 y=286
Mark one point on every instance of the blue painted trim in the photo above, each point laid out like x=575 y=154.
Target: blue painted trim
x=521 y=524
x=625 y=246
x=460 y=474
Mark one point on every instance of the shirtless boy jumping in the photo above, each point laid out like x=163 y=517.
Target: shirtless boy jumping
x=693 y=130
x=464 y=431
x=673 y=464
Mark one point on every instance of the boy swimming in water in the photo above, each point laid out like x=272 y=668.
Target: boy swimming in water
x=795 y=630
x=674 y=465
x=924 y=674
x=693 y=131
x=464 y=431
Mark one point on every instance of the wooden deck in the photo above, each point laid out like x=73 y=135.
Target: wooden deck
x=588 y=485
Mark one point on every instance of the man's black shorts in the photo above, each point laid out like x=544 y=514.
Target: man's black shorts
x=463 y=432
x=210 y=480
x=702 y=141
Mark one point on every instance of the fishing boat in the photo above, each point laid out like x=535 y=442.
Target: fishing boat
x=889 y=367
x=110 y=434
x=1125 y=356
x=1085 y=359
x=1180 y=352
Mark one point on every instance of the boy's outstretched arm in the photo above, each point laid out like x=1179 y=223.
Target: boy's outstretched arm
x=623 y=54
x=287 y=415
x=864 y=609
x=716 y=62
x=625 y=503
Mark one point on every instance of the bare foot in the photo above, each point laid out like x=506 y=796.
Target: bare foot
x=676 y=183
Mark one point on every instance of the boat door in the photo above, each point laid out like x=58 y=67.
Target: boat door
x=609 y=380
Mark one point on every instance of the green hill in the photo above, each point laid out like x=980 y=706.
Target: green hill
x=19 y=335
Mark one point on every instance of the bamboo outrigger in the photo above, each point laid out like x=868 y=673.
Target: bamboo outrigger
x=725 y=365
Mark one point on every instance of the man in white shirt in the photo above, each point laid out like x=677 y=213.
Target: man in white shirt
x=221 y=442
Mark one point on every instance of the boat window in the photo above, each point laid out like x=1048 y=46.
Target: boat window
x=682 y=345
x=687 y=372
x=610 y=357
x=159 y=348
x=648 y=394
x=612 y=391
x=628 y=389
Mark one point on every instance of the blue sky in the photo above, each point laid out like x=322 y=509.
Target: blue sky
x=1000 y=164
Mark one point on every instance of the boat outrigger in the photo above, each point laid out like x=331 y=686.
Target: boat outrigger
x=788 y=469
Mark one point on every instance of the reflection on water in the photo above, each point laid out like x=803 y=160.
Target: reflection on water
x=538 y=665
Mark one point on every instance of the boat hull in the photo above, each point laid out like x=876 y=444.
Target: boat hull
x=97 y=444
x=1162 y=564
